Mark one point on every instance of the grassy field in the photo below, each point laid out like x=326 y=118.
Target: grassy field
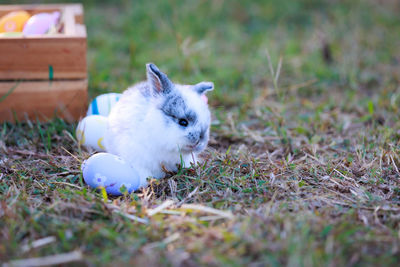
x=303 y=165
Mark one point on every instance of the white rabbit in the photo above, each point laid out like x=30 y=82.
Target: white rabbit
x=157 y=125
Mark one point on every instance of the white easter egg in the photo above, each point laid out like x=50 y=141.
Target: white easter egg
x=90 y=131
x=103 y=104
x=111 y=172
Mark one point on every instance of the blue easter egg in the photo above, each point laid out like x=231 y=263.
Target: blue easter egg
x=103 y=104
x=111 y=172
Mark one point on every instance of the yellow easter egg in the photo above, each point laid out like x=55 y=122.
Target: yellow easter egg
x=14 y=21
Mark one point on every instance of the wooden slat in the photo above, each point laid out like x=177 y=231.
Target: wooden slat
x=80 y=30
x=77 y=9
x=33 y=58
x=43 y=100
x=30 y=11
x=38 y=8
x=68 y=18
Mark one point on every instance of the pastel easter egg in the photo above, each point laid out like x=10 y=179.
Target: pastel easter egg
x=41 y=23
x=103 y=104
x=90 y=132
x=14 y=21
x=111 y=172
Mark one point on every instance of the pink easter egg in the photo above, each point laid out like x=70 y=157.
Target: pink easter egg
x=41 y=23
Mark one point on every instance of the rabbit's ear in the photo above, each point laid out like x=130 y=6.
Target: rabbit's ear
x=203 y=87
x=159 y=82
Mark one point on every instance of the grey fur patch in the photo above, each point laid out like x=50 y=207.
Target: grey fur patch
x=191 y=116
x=174 y=106
x=144 y=89
x=203 y=133
x=197 y=135
x=193 y=136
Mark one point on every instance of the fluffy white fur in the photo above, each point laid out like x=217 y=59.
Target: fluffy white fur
x=141 y=133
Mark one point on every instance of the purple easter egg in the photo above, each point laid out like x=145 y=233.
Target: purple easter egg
x=41 y=23
x=111 y=172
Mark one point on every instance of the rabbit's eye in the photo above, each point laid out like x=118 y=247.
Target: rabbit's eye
x=183 y=122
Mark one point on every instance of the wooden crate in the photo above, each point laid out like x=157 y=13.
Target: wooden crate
x=44 y=76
